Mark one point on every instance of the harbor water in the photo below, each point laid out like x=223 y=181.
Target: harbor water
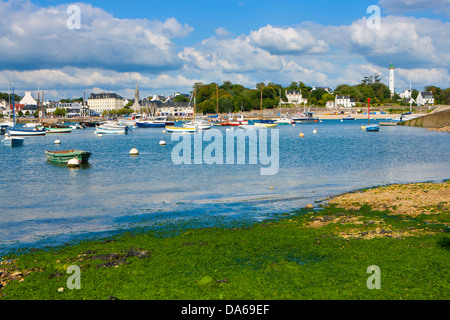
x=45 y=204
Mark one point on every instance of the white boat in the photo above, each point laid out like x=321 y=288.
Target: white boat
x=284 y=120
x=10 y=141
x=27 y=133
x=32 y=125
x=265 y=124
x=172 y=129
x=7 y=123
x=126 y=122
x=252 y=127
x=111 y=129
x=199 y=123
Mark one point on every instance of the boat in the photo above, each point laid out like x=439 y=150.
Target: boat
x=283 y=120
x=265 y=124
x=77 y=126
x=111 y=129
x=389 y=123
x=27 y=133
x=91 y=124
x=3 y=129
x=372 y=127
x=349 y=117
x=172 y=129
x=32 y=125
x=252 y=126
x=23 y=132
x=57 y=128
x=7 y=123
x=306 y=117
x=10 y=141
x=158 y=122
x=198 y=122
x=369 y=127
x=66 y=155
x=126 y=122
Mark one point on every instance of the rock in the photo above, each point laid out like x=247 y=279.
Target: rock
x=207 y=282
x=309 y=206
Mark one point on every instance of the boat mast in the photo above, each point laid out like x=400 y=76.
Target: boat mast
x=410 y=98
x=261 y=105
x=14 y=109
x=368 y=110
x=217 y=94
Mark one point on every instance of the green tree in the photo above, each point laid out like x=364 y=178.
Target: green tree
x=60 y=112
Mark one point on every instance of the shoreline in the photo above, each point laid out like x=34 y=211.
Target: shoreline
x=344 y=217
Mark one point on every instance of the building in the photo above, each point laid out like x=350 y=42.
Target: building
x=330 y=105
x=28 y=99
x=344 y=101
x=406 y=94
x=295 y=97
x=327 y=89
x=175 y=109
x=391 y=80
x=425 y=98
x=136 y=105
x=100 y=102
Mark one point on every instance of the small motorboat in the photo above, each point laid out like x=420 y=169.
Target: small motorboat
x=172 y=129
x=391 y=123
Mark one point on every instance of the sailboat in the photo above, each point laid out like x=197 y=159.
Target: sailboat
x=369 y=127
x=262 y=122
x=24 y=132
x=185 y=128
x=9 y=140
x=201 y=123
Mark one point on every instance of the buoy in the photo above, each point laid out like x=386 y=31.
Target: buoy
x=314 y=131
x=162 y=143
x=293 y=124
x=73 y=163
x=301 y=135
x=271 y=188
x=164 y=131
x=363 y=128
x=57 y=141
x=134 y=152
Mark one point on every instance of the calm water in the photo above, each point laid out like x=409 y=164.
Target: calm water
x=43 y=203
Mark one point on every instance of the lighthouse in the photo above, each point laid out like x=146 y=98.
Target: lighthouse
x=391 y=80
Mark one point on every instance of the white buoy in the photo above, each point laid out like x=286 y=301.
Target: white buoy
x=57 y=141
x=314 y=131
x=293 y=124
x=73 y=163
x=164 y=131
x=134 y=152
x=162 y=143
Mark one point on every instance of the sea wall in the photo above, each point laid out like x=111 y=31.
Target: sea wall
x=433 y=120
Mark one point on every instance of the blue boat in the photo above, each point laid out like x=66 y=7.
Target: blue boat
x=349 y=118
x=158 y=122
x=372 y=128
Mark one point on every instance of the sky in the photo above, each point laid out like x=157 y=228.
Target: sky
x=71 y=49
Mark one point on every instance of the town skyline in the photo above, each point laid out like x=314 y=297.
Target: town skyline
x=169 y=46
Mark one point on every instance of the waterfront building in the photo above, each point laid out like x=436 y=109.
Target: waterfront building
x=425 y=98
x=344 y=101
x=295 y=97
x=406 y=94
x=99 y=102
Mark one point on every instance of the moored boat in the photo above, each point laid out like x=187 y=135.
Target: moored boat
x=66 y=155
x=306 y=117
x=172 y=129
x=372 y=128
x=10 y=141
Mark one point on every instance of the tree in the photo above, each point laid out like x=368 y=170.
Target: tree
x=180 y=98
x=60 y=112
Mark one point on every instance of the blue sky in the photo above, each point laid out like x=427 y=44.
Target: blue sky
x=169 y=45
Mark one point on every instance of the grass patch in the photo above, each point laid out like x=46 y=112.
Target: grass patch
x=309 y=254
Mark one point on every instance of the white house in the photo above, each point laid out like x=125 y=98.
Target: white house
x=425 y=98
x=28 y=99
x=295 y=97
x=406 y=94
x=344 y=101
x=329 y=105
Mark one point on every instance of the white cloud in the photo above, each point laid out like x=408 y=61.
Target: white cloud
x=287 y=41
x=33 y=37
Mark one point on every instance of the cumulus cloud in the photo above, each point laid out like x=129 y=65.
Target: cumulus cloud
x=287 y=41
x=33 y=37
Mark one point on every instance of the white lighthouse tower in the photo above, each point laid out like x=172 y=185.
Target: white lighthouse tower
x=391 y=80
